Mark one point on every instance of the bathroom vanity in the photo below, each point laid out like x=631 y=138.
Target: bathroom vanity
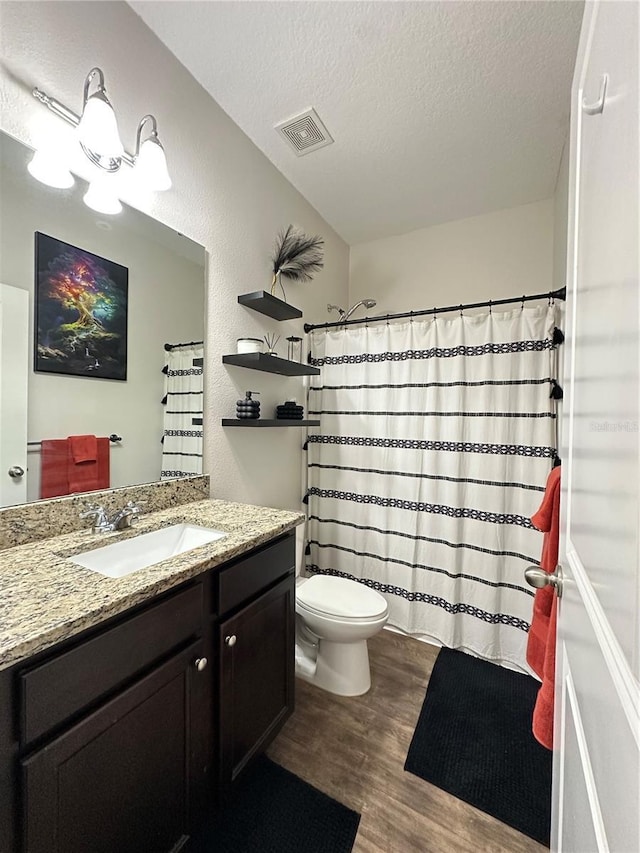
x=125 y=735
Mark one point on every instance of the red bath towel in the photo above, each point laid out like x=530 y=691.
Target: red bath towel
x=541 y=644
x=60 y=475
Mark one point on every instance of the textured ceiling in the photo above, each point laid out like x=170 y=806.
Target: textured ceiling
x=439 y=110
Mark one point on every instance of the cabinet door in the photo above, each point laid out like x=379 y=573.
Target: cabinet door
x=257 y=654
x=122 y=778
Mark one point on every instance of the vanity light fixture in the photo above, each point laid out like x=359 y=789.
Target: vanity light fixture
x=100 y=140
x=47 y=168
x=98 y=127
x=150 y=160
x=101 y=196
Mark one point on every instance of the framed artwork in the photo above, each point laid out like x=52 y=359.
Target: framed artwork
x=80 y=312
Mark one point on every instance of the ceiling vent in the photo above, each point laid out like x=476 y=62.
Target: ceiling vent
x=305 y=132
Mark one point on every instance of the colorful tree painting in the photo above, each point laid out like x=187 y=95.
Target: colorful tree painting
x=81 y=311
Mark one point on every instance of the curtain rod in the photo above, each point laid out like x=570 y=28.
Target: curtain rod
x=169 y=347
x=550 y=294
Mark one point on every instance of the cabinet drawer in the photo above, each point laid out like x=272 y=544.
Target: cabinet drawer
x=247 y=577
x=61 y=687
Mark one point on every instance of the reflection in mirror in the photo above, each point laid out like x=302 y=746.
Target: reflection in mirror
x=109 y=292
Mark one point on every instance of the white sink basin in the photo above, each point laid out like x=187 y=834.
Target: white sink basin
x=122 y=558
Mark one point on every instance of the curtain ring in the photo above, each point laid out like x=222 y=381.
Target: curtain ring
x=411 y=316
x=522 y=305
x=490 y=307
x=461 y=309
x=434 y=313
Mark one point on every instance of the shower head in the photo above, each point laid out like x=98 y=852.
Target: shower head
x=367 y=303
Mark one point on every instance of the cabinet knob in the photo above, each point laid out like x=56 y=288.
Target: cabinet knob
x=201 y=663
x=231 y=641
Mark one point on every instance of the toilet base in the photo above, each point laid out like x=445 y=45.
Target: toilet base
x=340 y=668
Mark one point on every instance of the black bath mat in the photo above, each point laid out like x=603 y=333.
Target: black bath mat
x=473 y=739
x=273 y=811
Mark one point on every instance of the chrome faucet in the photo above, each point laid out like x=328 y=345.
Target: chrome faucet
x=123 y=518
x=99 y=516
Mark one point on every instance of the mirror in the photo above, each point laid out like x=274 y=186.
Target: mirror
x=140 y=285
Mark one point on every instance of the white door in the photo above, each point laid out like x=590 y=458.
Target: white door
x=14 y=371
x=597 y=723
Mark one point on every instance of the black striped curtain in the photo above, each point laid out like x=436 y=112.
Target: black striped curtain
x=436 y=440
x=182 y=434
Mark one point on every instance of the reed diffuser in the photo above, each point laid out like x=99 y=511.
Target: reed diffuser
x=271 y=340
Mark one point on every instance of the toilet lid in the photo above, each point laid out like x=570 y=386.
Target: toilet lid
x=340 y=597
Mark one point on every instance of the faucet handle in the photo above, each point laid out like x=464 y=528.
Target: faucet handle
x=99 y=516
x=125 y=517
x=93 y=510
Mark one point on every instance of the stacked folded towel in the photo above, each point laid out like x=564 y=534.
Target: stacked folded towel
x=289 y=411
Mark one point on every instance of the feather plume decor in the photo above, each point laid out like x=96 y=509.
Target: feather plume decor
x=296 y=256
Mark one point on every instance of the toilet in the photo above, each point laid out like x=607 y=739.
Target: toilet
x=334 y=619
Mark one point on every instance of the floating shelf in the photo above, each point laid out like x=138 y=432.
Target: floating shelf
x=263 y=422
x=270 y=364
x=265 y=303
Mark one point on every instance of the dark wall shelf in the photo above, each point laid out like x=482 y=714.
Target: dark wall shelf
x=265 y=303
x=270 y=364
x=263 y=422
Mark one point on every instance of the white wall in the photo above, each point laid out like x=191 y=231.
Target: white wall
x=226 y=196
x=561 y=221
x=497 y=255
x=165 y=304
x=560 y=238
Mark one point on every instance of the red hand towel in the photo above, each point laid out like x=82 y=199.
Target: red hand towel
x=54 y=458
x=541 y=644
x=84 y=448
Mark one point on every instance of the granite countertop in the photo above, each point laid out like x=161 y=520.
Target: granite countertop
x=45 y=598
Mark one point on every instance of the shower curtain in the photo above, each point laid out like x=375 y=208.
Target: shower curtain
x=435 y=443
x=182 y=434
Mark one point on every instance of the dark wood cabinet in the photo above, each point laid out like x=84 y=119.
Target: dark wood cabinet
x=123 y=739
x=256 y=677
x=122 y=778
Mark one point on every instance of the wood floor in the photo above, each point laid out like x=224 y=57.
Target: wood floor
x=354 y=750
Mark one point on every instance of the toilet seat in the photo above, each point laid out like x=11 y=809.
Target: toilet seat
x=340 y=598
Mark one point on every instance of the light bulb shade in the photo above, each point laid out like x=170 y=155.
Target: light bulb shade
x=101 y=196
x=151 y=165
x=48 y=169
x=98 y=128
